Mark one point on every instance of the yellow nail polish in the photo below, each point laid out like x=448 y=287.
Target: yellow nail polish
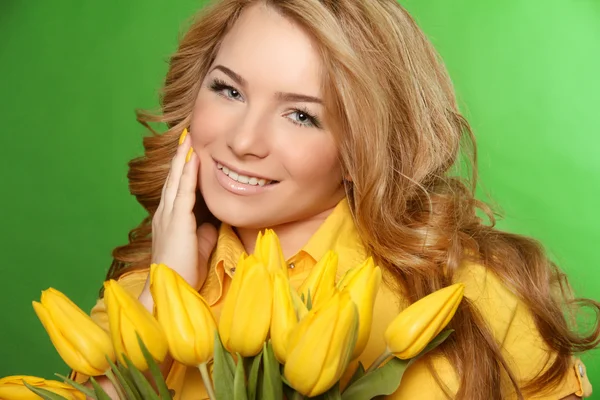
x=183 y=135
x=189 y=154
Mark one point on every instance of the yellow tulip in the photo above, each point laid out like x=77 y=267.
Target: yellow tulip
x=246 y=315
x=81 y=343
x=284 y=317
x=12 y=388
x=320 y=283
x=321 y=345
x=184 y=315
x=126 y=317
x=362 y=282
x=418 y=324
x=268 y=251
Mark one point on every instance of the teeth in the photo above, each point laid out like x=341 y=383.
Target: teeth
x=248 y=180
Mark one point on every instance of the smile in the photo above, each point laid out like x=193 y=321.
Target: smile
x=245 y=179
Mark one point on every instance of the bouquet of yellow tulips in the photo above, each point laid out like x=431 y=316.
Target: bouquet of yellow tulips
x=271 y=342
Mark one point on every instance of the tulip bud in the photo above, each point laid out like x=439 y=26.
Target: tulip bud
x=362 y=282
x=284 y=317
x=184 y=316
x=126 y=317
x=320 y=283
x=418 y=324
x=13 y=388
x=268 y=251
x=246 y=314
x=320 y=347
x=81 y=343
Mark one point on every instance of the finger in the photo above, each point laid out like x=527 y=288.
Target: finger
x=207 y=240
x=172 y=183
x=186 y=192
x=161 y=204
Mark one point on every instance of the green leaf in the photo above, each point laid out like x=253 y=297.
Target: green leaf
x=333 y=393
x=308 y=301
x=385 y=380
x=360 y=371
x=222 y=374
x=253 y=376
x=288 y=391
x=124 y=382
x=230 y=362
x=130 y=381
x=272 y=384
x=159 y=379
x=140 y=381
x=239 y=381
x=100 y=393
x=83 y=389
x=44 y=393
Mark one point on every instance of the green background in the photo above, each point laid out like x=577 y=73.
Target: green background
x=72 y=73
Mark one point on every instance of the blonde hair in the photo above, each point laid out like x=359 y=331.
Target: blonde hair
x=393 y=110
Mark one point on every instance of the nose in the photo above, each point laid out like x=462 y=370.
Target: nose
x=248 y=135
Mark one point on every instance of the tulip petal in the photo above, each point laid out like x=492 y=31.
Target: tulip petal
x=132 y=347
x=419 y=323
x=12 y=387
x=284 y=317
x=92 y=342
x=250 y=327
x=270 y=252
x=309 y=344
x=173 y=313
x=65 y=349
x=114 y=319
x=203 y=324
x=227 y=313
x=362 y=283
x=341 y=347
x=128 y=316
x=320 y=282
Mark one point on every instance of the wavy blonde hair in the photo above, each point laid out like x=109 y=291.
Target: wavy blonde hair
x=393 y=110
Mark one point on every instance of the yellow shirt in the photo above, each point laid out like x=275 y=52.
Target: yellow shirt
x=510 y=321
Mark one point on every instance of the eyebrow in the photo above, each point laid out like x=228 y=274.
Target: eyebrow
x=283 y=96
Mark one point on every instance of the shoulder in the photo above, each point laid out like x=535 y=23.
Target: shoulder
x=495 y=301
x=512 y=324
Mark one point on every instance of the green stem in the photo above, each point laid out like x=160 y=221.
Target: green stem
x=111 y=377
x=380 y=360
x=207 y=382
x=297 y=396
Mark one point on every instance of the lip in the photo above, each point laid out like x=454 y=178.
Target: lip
x=243 y=172
x=235 y=187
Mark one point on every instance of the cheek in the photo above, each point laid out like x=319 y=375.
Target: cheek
x=313 y=161
x=207 y=121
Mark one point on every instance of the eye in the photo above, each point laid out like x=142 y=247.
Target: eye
x=222 y=89
x=303 y=118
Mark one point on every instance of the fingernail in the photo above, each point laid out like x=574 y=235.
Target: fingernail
x=183 y=135
x=189 y=154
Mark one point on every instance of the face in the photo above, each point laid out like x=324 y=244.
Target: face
x=267 y=157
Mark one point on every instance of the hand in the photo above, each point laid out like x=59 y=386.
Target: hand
x=176 y=240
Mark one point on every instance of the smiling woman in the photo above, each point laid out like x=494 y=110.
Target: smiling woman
x=335 y=124
x=262 y=123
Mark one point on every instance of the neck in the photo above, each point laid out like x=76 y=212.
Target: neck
x=292 y=235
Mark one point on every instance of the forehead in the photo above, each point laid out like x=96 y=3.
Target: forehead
x=264 y=46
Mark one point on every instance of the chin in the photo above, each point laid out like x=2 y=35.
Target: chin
x=241 y=217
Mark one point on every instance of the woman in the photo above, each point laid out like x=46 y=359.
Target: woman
x=334 y=123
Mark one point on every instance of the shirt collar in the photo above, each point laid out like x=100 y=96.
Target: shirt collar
x=337 y=233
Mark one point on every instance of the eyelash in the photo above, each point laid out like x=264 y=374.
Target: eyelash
x=217 y=85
